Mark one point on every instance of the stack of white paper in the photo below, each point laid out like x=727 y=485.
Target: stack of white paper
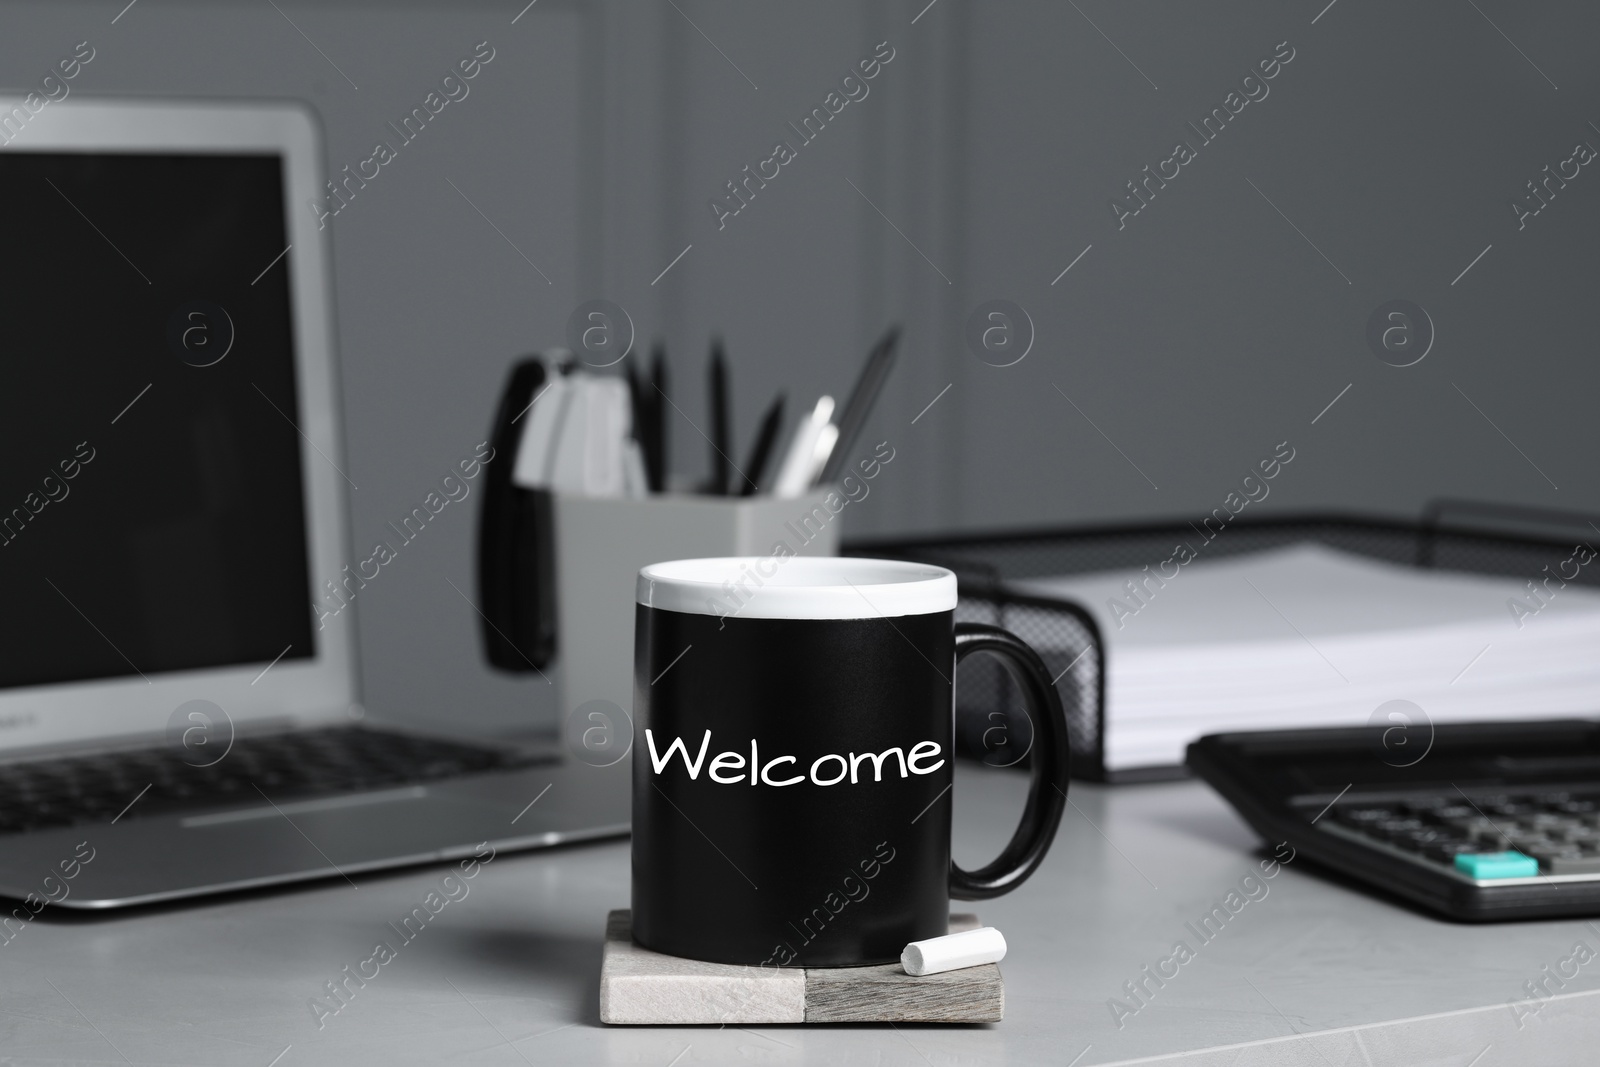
x=1309 y=636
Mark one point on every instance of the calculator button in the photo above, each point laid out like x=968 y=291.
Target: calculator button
x=1497 y=865
x=1471 y=823
x=1416 y=840
x=1447 y=851
x=1452 y=812
x=1507 y=807
x=1395 y=829
x=1572 y=863
x=1360 y=817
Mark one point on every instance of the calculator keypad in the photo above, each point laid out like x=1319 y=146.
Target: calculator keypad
x=1560 y=830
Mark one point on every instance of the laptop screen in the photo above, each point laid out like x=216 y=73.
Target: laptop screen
x=151 y=508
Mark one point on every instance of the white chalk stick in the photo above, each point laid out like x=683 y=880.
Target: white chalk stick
x=954 y=951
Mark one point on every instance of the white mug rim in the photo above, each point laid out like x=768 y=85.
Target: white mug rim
x=797 y=587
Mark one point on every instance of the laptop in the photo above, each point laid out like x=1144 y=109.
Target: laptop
x=179 y=694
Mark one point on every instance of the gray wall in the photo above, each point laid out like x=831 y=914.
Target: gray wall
x=1214 y=325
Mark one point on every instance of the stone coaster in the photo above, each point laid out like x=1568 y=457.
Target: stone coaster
x=643 y=988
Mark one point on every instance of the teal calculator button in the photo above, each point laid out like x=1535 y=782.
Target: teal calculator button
x=1497 y=865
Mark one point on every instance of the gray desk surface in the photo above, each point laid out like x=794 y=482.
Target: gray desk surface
x=1312 y=973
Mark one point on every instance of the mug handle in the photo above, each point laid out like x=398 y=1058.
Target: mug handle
x=1047 y=795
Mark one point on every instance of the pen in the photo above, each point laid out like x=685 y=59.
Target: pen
x=721 y=431
x=766 y=437
x=856 y=409
x=799 y=463
x=656 y=450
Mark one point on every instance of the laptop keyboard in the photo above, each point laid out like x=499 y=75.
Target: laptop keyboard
x=89 y=789
x=1561 y=831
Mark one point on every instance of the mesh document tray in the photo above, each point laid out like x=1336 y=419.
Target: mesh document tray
x=990 y=726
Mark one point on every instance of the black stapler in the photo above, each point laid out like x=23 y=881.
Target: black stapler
x=516 y=542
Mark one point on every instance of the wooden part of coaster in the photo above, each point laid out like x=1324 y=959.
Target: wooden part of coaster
x=643 y=988
x=886 y=993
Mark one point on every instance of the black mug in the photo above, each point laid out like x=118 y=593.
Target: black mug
x=792 y=759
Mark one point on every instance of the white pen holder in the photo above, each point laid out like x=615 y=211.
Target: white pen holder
x=600 y=544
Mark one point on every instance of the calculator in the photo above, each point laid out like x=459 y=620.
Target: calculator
x=1478 y=822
